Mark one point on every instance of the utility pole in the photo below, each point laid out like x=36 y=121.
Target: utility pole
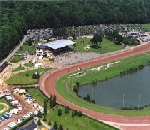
x=123 y=99
x=139 y=101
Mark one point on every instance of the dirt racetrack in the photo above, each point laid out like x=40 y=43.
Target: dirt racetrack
x=48 y=80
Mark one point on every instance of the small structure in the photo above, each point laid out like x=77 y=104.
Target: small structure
x=22 y=91
x=37 y=65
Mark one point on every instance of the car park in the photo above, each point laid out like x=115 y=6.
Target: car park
x=11 y=124
x=2 y=118
x=5 y=129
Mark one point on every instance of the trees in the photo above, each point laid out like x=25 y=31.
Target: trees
x=45 y=106
x=97 y=38
x=60 y=127
x=55 y=126
x=52 y=101
x=59 y=112
x=17 y=17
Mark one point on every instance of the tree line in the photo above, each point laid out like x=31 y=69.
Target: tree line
x=18 y=16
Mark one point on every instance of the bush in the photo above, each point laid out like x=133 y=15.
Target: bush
x=36 y=75
x=59 y=112
x=75 y=89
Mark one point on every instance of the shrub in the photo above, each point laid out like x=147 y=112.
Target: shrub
x=36 y=75
x=75 y=89
x=59 y=112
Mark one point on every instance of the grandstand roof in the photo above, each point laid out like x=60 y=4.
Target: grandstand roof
x=59 y=43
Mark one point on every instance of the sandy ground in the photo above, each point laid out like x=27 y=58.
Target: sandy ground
x=6 y=107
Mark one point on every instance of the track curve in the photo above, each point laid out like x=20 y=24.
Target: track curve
x=48 y=80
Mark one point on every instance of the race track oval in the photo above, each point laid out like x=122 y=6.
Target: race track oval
x=49 y=79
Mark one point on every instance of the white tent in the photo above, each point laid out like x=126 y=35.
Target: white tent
x=59 y=43
x=37 y=65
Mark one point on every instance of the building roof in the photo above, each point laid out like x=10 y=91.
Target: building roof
x=22 y=91
x=59 y=43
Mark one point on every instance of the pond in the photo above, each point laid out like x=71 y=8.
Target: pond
x=130 y=90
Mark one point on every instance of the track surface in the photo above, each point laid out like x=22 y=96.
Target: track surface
x=48 y=80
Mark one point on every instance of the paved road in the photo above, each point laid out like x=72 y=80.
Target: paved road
x=15 y=50
x=124 y=123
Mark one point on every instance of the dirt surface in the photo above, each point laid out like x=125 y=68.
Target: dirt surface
x=26 y=109
x=6 y=107
x=124 y=123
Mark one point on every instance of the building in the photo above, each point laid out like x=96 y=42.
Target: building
x=56 y=47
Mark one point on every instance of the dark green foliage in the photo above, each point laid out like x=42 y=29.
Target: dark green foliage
x=27 y=75
x=45 y=107
x=67 y=110
x=93 y=101
x=55 y=125
x=88 y=98
x=39 y=114
x=60 y=127
x=39 y=122
x=95 y=81
x=78 y=84
x=17 y=17
x=44 y=119
x=49 y=122
x=52 y=101
x=22 y=123
x=141 y=66
x=59 y=112
x=130 y=42
x=36 y=76
x=97 y=38
x=75 y=89
x=79 y=113
x=29 y=42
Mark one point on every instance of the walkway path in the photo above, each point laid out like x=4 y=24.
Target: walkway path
x=124 y=123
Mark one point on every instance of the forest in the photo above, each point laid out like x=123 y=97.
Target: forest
x=18 y=16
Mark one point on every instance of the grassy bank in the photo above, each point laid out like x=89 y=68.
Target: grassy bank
x=26 y=77
x=114 y=70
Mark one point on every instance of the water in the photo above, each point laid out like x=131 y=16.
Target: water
x=130 y=90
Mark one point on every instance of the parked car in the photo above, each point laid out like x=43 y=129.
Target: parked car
x=11 y=124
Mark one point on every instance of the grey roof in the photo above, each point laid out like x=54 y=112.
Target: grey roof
x=59 y=43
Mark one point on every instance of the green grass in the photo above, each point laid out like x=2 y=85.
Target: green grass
x=5 y=101
x=16 y=58
x=125 y=64
x=36 y=94
x=30 y=64
x=18 y=69
x=1 y=107
x=76 y=123
x=66 y=120
x=26 y=77
x=27 y=48
x=106 y=46
x=146 y=26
